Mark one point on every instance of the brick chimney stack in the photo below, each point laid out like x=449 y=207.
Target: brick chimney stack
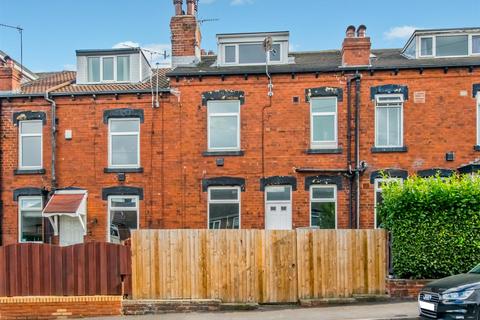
x=185 y=34
x=356 y=48
x=10 y=77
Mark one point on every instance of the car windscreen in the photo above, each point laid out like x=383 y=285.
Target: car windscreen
x=476 y=269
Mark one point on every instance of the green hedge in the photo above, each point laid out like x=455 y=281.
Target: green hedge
x=435 y=225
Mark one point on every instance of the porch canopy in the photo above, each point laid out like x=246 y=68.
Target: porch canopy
x=72 y=203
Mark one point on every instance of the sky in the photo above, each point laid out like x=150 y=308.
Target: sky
x=54 y=29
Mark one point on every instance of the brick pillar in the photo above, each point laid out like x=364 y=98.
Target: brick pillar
x=356 y=48
x=10 y=78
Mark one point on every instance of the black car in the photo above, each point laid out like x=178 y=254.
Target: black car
x=454 y=297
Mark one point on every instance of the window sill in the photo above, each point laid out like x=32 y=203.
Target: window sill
x=123 y=170
x=476 y=147
x=28 y=171
x=324 y=151
x=389 y=149
x=237 y=153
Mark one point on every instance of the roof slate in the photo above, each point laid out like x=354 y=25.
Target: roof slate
x=326 y=61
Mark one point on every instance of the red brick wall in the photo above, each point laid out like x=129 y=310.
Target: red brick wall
x=59 y=307
x=173 y=138
x=404 y=288
x=9 y=78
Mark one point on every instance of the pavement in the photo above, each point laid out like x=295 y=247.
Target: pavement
x=384 y=311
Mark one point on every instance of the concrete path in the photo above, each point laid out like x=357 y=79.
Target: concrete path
x=396 y=311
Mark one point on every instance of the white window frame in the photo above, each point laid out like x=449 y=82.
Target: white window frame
x=277 y=201
x=312 y=200
x=477 y=102
x=324 y=144
x=239 y=201
x=126 y=133
x=401 y=120
x=237 y=54
x=20 y=209
x=224 y=114
x=114 y=69
x=378 y=189
x=420 y=47
x=110 y=209
x=20 y=144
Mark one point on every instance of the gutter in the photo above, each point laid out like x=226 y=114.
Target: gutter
x=83 y=93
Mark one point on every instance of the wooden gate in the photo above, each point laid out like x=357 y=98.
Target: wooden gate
x=94 y=268
x=257 y=265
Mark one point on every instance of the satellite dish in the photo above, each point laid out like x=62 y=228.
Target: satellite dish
x=267 y=44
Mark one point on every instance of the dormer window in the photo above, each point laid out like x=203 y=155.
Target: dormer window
x=443 y=43
x=248 y=49
x=125 y=65
x=108 y=69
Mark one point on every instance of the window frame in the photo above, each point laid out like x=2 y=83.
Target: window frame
x=123 y=133
x=237 y=54
x=420 y=46
x=312 y=200
x=470 y=44
x=224 y=114
x=110 y=208
x=469 y=38
x=477 y=104
x=401 y=144
x=20 y=144
x=238 y=200
x=375 y=190
x=324 y=144
x=115 y=78
x=20 y=198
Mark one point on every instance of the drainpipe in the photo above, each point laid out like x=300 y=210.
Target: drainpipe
x=53 y=132
x=353 y=172
x=357 y=147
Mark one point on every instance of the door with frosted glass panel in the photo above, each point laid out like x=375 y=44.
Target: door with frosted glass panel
x=278 y=208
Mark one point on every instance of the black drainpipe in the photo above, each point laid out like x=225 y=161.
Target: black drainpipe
x=353 y=173
x=53 y=181
x=357 y=148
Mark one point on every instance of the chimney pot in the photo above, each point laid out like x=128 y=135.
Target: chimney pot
x=350 y=33
x=178 y=7
x=361 y=31
x=191 y=7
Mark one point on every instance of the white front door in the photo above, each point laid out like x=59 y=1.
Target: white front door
x=278 y=208
x=71 y=231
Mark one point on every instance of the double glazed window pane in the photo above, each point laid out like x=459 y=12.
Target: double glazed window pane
x=121 y=224
x=275 y=54
x=123 y=202
x=426 y=46
x=451 y=46
x=223 y=124
x=123 y=68
x=93 y=69
x=251 y=53
x=323 y=120
x=323 y=193
x=31 y=144
x=108 y=69
x=31 y=221
x=124 y=142
x=224 y=215
x=224 y=194
x=475 y=44
x=323 y=215
x=388 y=126
x=230 y=54
x=281 y=193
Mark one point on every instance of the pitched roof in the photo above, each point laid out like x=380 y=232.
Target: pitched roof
x=326 y=61
x=47 y=80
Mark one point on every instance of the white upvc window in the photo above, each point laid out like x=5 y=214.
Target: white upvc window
x=323 y=206
x=478 y=118
x=426 y=46
x=124 y=143
x=475 y=44
x=30 y=144
x=323 y=122
x=224 y=208
x=30 y=220
x=389 y=120
x=123 y=217
x=223 y=125
x=378 y=196
x=251 y=54
x=108 y=69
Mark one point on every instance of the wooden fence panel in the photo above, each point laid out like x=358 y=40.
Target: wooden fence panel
x=84 y=269
x=257 y=265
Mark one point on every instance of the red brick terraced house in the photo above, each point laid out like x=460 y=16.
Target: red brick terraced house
x=254 y=136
